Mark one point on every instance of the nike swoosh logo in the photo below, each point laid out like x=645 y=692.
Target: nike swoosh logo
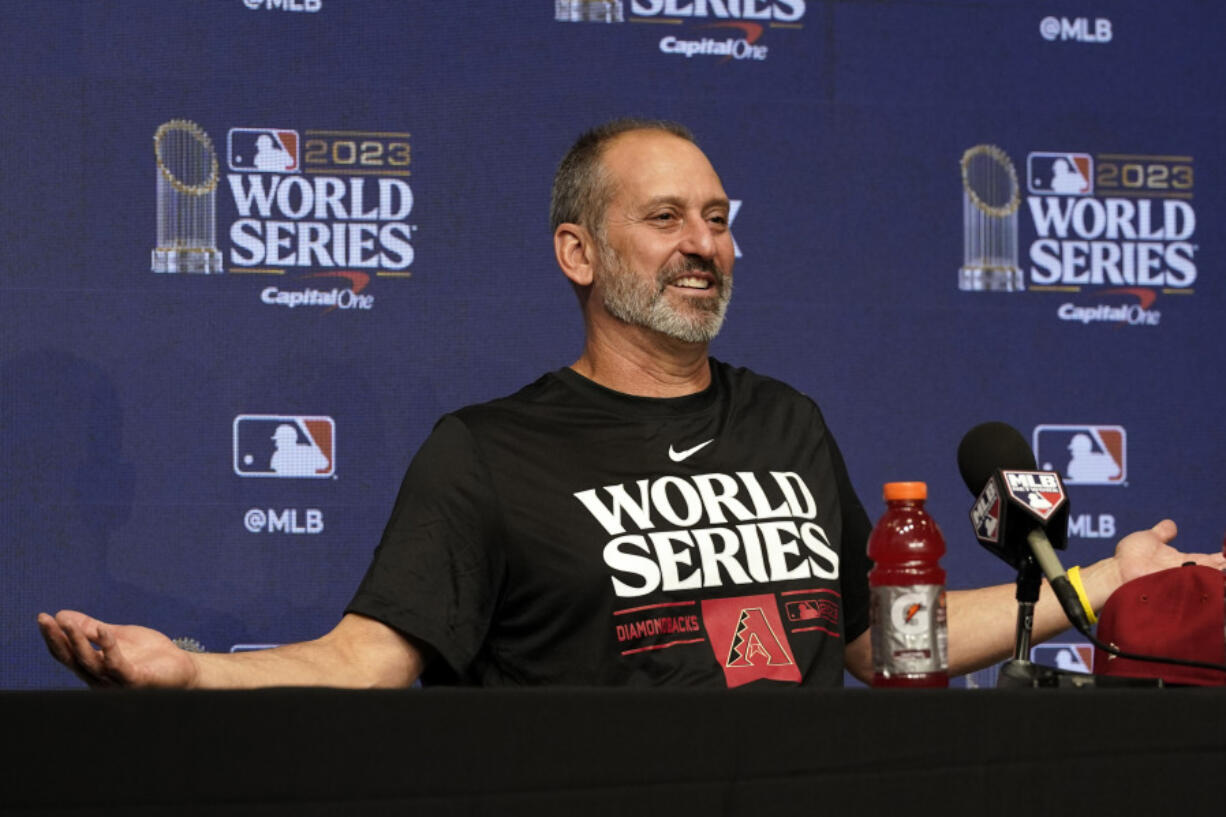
x=680 y=456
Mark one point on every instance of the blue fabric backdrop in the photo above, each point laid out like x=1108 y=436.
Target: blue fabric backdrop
x=137 y=408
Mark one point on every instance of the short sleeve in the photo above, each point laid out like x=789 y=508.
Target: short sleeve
x=436 y=572
x=855 y=563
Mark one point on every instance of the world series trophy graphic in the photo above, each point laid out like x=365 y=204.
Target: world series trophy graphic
x=588 y=11
x=990 y=199
x=187 y=175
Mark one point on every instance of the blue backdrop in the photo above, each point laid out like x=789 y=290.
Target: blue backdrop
x=394 y=159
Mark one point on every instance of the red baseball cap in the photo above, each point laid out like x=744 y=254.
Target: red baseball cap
x=1175 y=613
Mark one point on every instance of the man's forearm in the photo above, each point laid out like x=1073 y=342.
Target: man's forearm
x=983 y=621
x=355 y=655
x=305 y=664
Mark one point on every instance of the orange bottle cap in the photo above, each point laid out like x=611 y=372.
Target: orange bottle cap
x=905 y=490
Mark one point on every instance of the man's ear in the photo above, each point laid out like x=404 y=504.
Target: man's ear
x=575 y=249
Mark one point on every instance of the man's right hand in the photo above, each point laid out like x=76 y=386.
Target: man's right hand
x=109 y=655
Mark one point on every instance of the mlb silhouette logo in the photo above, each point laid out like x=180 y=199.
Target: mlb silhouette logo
x=1083 y=455
x=263 y=150
x=812 y=610
x=1071 y=657
x=285 y=446
x=1060 y=174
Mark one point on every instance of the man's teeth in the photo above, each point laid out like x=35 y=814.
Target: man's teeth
x=693 y=283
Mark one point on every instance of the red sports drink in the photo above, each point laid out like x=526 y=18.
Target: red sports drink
x=908 y=592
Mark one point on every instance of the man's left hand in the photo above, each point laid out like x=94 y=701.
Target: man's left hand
x=1149 y=551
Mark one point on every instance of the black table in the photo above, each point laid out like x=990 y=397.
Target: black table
x=600 y=752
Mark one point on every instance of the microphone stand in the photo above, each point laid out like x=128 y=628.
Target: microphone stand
x=1020 y=672
x=1029 y=581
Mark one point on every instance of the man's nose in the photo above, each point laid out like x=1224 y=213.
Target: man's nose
x=698 y=239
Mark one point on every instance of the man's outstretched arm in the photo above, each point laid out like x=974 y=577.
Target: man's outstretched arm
x=983 y=622
x=359 y=653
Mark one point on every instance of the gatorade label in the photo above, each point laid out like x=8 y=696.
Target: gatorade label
x=908 y=629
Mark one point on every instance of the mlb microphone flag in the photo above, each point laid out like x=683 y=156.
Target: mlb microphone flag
x=1010 y=497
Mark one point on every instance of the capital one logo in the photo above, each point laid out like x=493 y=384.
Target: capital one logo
x=748 y=639
x=1083 y=454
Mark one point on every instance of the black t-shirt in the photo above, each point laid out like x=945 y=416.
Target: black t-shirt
x=570 y=534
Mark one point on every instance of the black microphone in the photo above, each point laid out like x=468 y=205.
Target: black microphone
x=1018 y=510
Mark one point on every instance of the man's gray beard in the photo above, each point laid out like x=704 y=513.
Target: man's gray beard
x=629 y=298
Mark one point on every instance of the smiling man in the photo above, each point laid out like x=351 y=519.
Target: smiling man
x=645 y=516
x=657 y=255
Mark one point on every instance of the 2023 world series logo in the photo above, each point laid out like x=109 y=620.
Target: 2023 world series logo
x=1115 y=230
x=326 y=209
